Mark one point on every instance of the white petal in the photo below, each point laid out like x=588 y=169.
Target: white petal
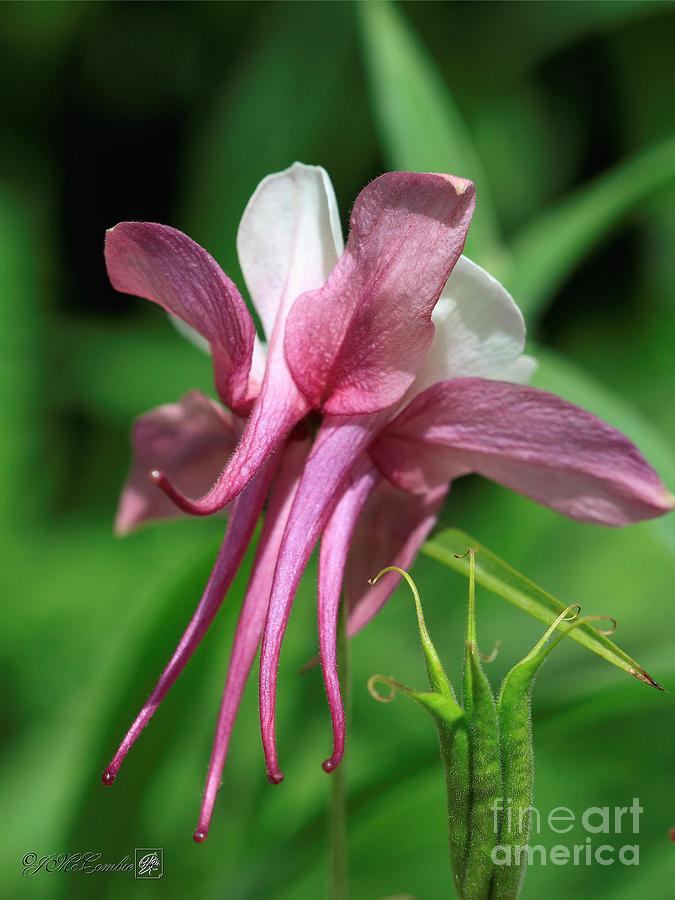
x=258 y=364
x=520 y=371
x=479 y=329
x=289 y=239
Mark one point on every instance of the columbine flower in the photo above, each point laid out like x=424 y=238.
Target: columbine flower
x=396 y=342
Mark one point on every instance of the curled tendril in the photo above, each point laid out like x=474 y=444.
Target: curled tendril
x=416 y=596
x=402 y=572
x=603 y=631
x=437 y=677
x=465 y=554
x=569 y=615
x=393 y=685
x=492 y=655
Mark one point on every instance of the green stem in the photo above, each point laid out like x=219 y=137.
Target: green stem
x=339 y=869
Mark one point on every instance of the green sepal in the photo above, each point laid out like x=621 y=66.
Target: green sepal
x=484 y=766
x=444 y=708
x=455 y=758
x=450 y=720
x=514 y=707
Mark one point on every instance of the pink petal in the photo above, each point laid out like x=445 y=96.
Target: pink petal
x=252 y=618
x=334 y=548
x=528 y=440
x=280 y=405
x=355 y=345
x=165 y=266
x=390 y=531
x=245 y=514
x=338 y=445
x=190 y=440
x=276 y=411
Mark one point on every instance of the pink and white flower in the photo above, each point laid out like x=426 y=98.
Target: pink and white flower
x=407 y=354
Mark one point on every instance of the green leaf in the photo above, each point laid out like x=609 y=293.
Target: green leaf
x=498 y=577
x=561 y=376
x=419 y=124
x=548 y=250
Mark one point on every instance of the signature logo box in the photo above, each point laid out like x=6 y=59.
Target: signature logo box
x=149 y=862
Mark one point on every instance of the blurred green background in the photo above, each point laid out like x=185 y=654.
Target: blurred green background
x=563 y=114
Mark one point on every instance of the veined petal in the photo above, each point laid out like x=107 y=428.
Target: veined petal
x=392 y=527
x=355 y=345
x=526 y=439
x=252 y=617
x=289 y=239
x=245 y=514
x=333 y=555
x=190 y=440
x=167 y=267
x=338 y=446
x=479 y=329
